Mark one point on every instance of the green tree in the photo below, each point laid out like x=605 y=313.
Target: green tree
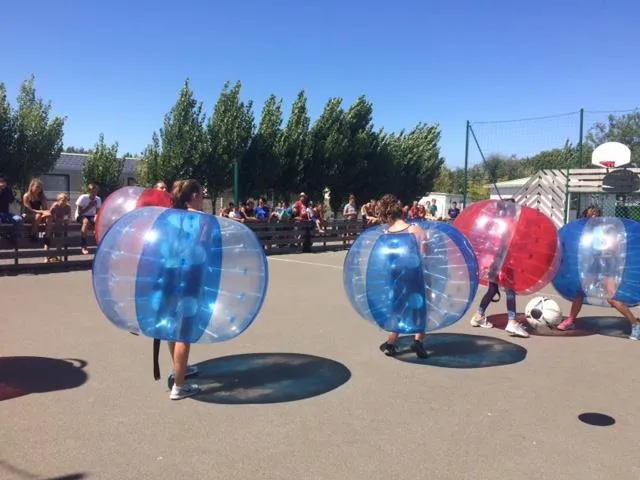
x=452 y=180
x=327 y=147
x=38 y=139
x=358 y=164
x=72 y=149
x=416 y=160
x=556 y=158
x=476 y=182
x=377 y=173
x=444 y=181
x=458 y=181
x=104 y=168
x=259 y=168
x=149 y=168
x=500 y=168
x=7 y=137
x=618 y=128
x=229 y=134
x=292 y=148
x=179 y=150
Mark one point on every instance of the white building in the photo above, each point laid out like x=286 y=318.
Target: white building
x=66 y=175
x=507 y=189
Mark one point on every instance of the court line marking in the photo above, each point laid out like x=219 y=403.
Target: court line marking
x=287 y=260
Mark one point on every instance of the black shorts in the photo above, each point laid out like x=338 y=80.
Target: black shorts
x=91 y=219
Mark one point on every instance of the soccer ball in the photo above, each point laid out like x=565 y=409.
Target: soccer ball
x=543 y=311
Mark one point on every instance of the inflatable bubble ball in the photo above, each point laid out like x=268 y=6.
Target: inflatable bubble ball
x=178 y=275
x=517 y=247
x=125 y=200
x=411 y=283
x=601 y=261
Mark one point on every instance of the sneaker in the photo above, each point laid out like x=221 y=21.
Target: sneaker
x=191 y=371
x=567 y=324
x=516 y=330
x=479 y=320
x=388 y=349
x=635 y=332
x=418 y=348
x=186 y=390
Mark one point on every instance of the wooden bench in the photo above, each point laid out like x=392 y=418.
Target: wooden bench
x=27 y=256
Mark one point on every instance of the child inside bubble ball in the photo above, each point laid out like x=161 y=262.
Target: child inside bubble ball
x=513 y=328
x=186 y=195
x=391 y=214
x=603 y=264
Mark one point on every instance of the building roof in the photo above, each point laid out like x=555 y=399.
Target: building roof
x=74 y=162
x=518 y=182
x=443 y=193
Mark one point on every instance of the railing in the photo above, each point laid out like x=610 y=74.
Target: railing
x=24 y=255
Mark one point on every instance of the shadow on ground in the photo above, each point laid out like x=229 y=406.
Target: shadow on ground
x=596 y=419
x=20 y=473
x=457 y=350
x=73 y=476
x=21 y=376
x=259 y=378
x=500 y=321
x=605 y=325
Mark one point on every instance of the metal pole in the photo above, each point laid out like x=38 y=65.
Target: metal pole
x=580 y=145
x=236 y=192
x=466 y=167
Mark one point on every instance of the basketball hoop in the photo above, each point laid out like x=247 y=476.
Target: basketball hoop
x=611 y=155
x=608 y=163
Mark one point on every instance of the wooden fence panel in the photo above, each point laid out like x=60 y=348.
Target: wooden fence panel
x=28 y=256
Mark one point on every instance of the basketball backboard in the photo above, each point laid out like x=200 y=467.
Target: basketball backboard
x=611 y=155
x=621 y=181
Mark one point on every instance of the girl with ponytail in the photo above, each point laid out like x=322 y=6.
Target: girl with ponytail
x=185 y=195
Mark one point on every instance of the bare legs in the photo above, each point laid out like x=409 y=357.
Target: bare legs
x=576 y=306
x=180 y=358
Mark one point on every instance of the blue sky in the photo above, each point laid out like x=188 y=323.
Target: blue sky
x=116 y=67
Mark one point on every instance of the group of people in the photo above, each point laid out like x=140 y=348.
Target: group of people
x=391 y=213
x=38 y=212
x=188 y=195
x=372 y=213
x=302 y=210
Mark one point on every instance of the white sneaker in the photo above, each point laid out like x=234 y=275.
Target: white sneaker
x=516 y=330
x=480 y=321
x=186 y=390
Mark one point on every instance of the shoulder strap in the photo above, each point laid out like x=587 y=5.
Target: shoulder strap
x=156 y=357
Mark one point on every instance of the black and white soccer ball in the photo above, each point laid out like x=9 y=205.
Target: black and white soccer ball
x=543 y=312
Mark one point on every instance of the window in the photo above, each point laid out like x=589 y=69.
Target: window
x=54 y=184
x=131 y=182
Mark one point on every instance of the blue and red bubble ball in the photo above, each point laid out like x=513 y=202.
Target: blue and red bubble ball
x=517 y=247
x=125 y=200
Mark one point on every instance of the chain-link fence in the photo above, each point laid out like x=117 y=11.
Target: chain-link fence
x=503 y=156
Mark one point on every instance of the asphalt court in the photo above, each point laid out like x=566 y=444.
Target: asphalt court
x=305 y=393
